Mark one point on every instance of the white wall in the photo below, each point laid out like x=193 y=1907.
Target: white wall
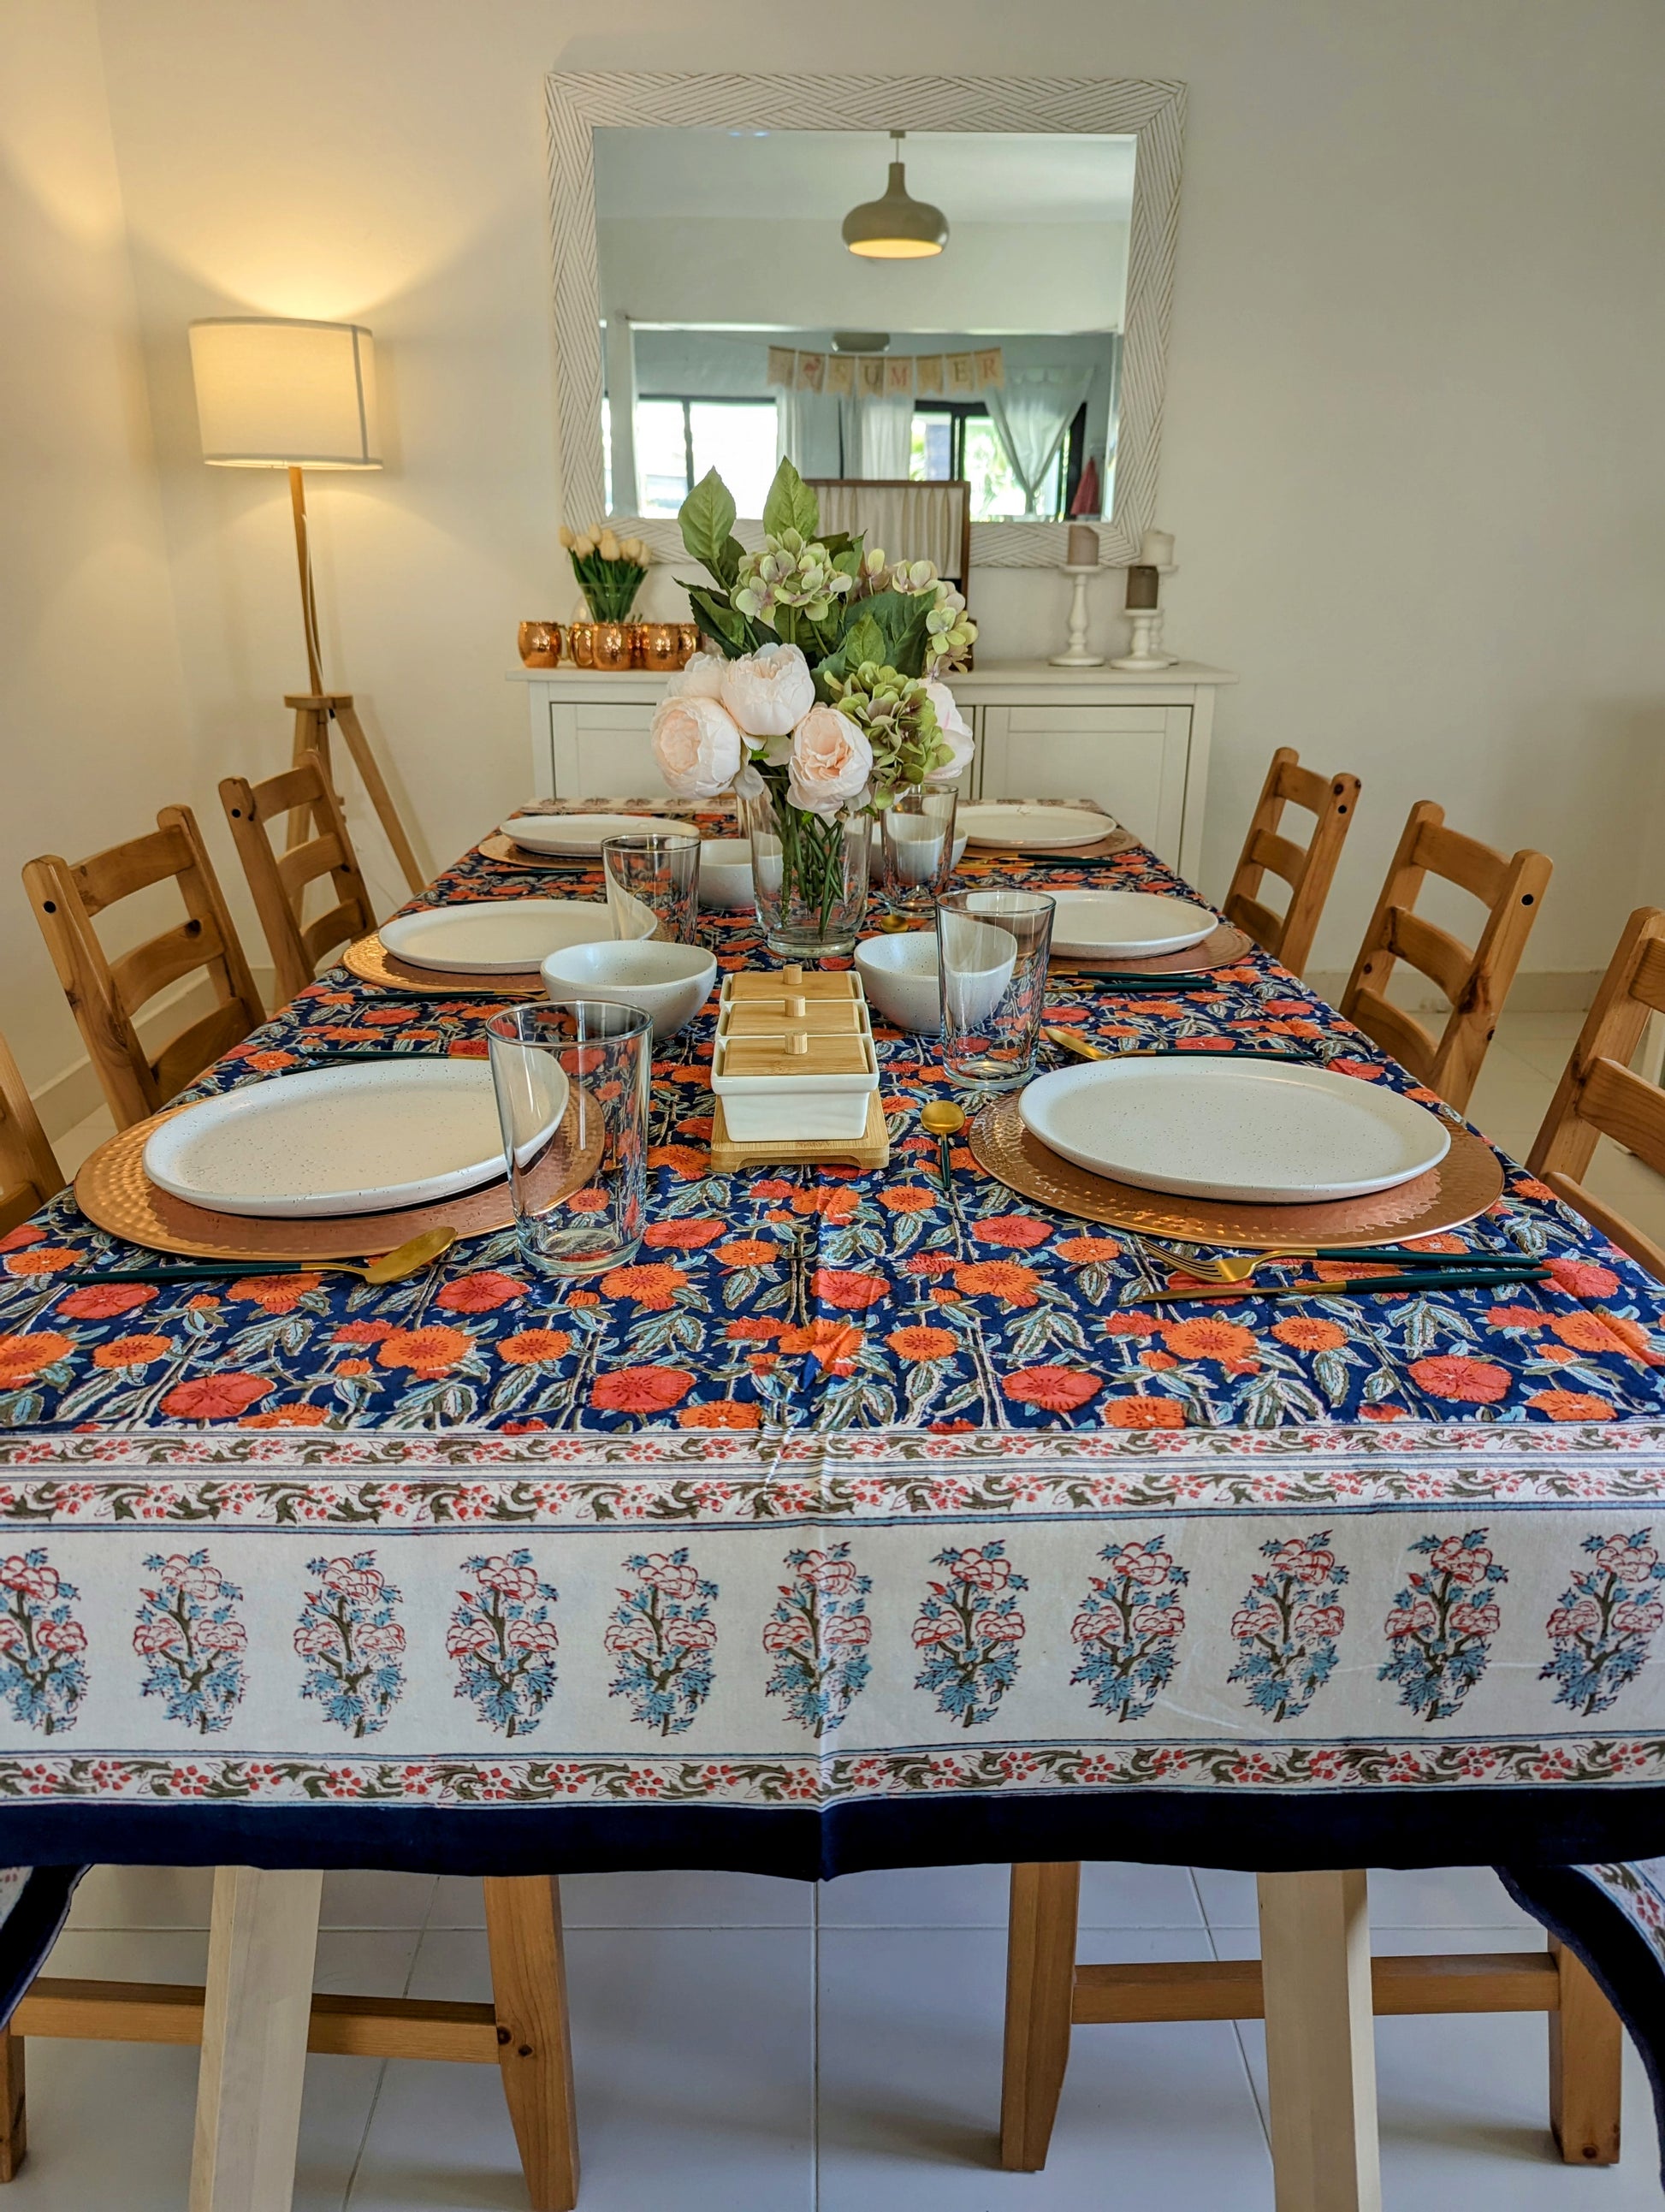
x=93 y=713
x=1415 y=441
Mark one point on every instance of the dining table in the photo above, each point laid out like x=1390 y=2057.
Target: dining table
x=860 y=1519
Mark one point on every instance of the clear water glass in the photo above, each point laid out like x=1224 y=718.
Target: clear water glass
x=571 y=1082
x=917 y=847
x=992 y=950
x=653 y=884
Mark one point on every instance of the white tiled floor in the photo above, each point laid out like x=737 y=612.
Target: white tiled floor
x=760 y=2046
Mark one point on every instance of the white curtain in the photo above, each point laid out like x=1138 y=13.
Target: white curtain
x=1032 y=416
x=887 y=434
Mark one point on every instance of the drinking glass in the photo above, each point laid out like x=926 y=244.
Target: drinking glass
x=572 y=1081
x=652 y=881
x=917 y=847
x=992 y=949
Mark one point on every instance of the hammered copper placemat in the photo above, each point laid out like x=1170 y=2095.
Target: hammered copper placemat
x=1466 y=1180
x=114 y=1193
x=371 y=962
x=507 y=854
x=1222 y=948
x=1003 y=849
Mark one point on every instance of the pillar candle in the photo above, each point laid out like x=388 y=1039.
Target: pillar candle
x=1083 y=547
x=1155 y=549
x=1141 y=587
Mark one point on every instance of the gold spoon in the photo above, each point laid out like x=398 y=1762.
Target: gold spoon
x=942 y=1118
x=405 y=1259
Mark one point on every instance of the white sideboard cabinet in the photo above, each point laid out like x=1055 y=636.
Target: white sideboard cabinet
x=1137 y=744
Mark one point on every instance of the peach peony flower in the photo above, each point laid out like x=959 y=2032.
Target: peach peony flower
x=697 y=746
x=831 y=761
x=767 y=693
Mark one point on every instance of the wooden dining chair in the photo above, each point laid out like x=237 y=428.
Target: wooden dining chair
x=30 y=1173
x=1599 y=1095
x=1048 y=1994
x=278 y=881
x=1308 y=869
x=106 y=995
x=1475 y=982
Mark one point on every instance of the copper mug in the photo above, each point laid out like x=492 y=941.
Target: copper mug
x=638 y=636
x=688 y=643
x=581 y=644
x=661 y=646
x=613 y=645
x=540 y=644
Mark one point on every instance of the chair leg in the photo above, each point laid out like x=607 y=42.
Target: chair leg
x=1586 y=2067
x=1039 y=1986
x=14 y=2109
x=534 y=2043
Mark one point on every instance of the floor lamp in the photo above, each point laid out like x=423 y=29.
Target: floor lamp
x=279 y=393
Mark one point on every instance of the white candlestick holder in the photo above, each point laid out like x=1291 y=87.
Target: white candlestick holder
x=1077 y=655
x=1147 y=651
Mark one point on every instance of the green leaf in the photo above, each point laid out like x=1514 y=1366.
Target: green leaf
x=734 y=632
x=706 y=517
x=791 y=505
x=911 y=641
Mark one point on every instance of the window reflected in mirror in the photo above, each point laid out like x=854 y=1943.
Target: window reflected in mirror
x=739 y=327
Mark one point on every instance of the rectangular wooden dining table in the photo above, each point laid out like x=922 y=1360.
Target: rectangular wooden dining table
x=852 y=1523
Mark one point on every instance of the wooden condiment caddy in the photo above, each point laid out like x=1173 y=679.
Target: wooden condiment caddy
x=794 y=1071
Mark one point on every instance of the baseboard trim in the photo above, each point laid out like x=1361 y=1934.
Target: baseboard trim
x=1536 y=991
x=75 y=1091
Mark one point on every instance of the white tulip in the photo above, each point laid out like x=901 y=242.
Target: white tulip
x=768 y=692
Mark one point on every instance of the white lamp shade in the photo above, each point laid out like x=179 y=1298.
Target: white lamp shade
x=273 y=394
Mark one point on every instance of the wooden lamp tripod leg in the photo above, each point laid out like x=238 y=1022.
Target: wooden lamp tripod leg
x=315 y=710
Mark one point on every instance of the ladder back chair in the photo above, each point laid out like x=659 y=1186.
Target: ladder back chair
x=1599 y=1096
x=1475 y=982
x=279 y=883
x=29 y=1173
x=106 y=995
x=1309 y=870
x=1048 y=1994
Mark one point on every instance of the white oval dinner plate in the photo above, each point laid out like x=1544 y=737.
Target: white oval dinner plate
x=1030 y=821
x=1125 y=925
x=1243 y=1129
x=355 y=1139
x=583 y=833
x=499 y=937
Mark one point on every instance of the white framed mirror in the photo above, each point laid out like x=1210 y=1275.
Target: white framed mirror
x=709 y=311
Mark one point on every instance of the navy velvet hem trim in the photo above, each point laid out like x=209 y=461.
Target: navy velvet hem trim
x=1557 y=1826
x=1577 y=1910
x=31 y=1929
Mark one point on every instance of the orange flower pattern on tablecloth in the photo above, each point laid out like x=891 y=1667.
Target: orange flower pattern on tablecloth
x=797 y=1299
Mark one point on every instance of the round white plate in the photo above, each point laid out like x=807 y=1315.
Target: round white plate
x=496 y=937
x=353 y=1139
x=1234 y=1129
x=1125 y=925
x=583 y=833
x=1028 y=822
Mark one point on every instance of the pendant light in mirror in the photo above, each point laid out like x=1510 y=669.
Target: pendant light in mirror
x=897 y=227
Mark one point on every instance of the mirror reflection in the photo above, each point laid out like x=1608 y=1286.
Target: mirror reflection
x=940 y=307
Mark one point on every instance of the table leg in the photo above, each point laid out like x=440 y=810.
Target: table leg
x=1320 y=2042
x=1040 y=1988
x=261 y=1945
x=534 y=2043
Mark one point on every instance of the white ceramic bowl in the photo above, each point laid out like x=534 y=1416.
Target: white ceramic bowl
x=668 y=982
x=726 y=873
x=899 y=974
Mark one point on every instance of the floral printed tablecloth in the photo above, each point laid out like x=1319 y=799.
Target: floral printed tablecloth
x=839 y=1529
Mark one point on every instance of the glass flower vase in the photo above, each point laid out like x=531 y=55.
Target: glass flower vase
x=809 y=875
